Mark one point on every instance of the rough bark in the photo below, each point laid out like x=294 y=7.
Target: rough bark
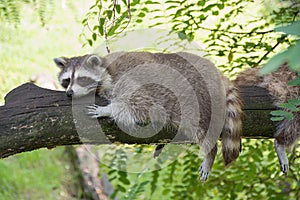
x=34 y=117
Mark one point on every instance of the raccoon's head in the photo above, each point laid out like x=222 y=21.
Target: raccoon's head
x=82 y=75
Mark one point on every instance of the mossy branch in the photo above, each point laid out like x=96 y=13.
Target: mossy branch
x=34 y=117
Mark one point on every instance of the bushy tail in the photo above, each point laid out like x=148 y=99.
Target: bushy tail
x=231 y=135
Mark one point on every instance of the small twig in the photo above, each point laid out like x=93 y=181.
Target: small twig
x=234 y=32
x=106 y=40
x=272 y=49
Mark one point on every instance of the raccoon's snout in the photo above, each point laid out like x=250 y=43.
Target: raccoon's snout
x=70 y=93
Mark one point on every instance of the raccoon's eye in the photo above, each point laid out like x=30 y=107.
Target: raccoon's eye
x=65 y=82
x=85 y=81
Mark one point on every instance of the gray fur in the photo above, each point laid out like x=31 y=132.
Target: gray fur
x=122 y=77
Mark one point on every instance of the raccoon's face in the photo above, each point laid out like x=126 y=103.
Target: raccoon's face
x=82 y=75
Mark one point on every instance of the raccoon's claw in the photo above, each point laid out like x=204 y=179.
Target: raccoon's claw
x=204 y=172
x=284 y=168
x=283 y=160
x=92 y=111
x=95 y=111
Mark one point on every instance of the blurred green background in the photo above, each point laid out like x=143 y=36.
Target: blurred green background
x=27 y=48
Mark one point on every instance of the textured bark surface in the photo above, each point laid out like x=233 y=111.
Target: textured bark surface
x=34 y=117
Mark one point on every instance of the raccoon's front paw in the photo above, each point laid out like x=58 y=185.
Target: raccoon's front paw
x=95 y=111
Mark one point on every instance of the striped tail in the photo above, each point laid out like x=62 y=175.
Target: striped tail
x=231 y=134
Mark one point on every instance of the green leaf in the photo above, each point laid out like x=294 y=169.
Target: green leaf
x=190 y=36
x=221 y=53
x=154 y=181
x=141 y=15
x=121 y=20
x=182 y=35
x=101 y=21
x=202 y=17
x=278 y=113
x=289 y=106
x=84 y=21
x=166 y=192
x=95 y=28
x=94 y=36
x=101 y=30
x=109 y=13
x=293 y=56
x=209 y=7
x=124 y=180
x=93 y=6
x=145 y=9
x=151 y=2
x=292 y=29
x=171 y=1
x=221 y=6
x=294 y=82
x=201 y=3
x=90 y=42
x=230 y=56
x=249 y=44
x=216 y=12
x=282 y=113
x=274 y=63
x=101 y=26
x=121 y=188
x=296 y=102
x=118 y=8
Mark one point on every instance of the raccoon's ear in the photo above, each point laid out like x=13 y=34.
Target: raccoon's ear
x=60 y=62
x=94 y=60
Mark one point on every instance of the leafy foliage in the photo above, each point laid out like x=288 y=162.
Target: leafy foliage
x=11 y=9
x=255 y=175
x=236 y=43
x=118 y=162
x=287 y=110
x=108 y=18
x=291 y=56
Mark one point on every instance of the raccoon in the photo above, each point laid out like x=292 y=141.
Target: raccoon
x=276 y=83
x=133 y=105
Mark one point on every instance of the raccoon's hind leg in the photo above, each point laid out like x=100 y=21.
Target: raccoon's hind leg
x=287 y=135
x=283 y=160
x=206 y=165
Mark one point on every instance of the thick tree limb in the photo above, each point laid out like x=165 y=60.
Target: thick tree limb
x=33 y=117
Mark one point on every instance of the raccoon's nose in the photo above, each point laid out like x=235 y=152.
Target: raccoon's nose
x=70 y=93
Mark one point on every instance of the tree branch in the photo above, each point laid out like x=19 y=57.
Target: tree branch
x=33 y=118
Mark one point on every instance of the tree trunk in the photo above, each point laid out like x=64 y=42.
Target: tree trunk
x=33 y=117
